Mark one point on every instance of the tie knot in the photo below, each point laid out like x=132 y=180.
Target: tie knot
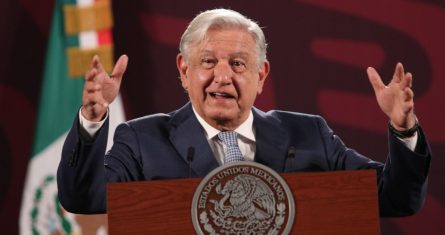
x=233 y=153
x=228 y=138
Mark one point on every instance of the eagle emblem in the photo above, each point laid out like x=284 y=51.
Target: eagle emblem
x=243 y=198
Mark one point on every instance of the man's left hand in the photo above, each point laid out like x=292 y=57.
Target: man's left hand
x=396 y=98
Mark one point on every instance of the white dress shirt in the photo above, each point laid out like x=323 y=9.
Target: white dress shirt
x=245 y=137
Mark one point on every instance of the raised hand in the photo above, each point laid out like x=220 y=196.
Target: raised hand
x=396 y=98
x=101 y=89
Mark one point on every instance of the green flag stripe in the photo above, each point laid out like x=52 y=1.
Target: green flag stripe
x=72 y=40
x=70 y=1
x=60 y=96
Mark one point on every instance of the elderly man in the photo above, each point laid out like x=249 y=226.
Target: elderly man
x=223 y=67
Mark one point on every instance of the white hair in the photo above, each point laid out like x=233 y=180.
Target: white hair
x=220 y=19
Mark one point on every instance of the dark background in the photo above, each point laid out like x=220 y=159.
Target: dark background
x=318 y=49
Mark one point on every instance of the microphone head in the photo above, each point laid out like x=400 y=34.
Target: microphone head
x=291 y=151
x=190 y=153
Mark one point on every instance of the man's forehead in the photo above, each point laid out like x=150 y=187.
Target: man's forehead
x=231 y=35
x=234 y=47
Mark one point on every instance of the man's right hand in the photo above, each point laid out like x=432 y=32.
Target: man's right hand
x=101 y=89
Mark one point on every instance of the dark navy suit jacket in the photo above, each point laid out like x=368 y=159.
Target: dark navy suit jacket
x=156 y=147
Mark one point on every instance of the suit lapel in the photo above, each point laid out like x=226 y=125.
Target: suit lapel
x=271 y=141
x=188 y=133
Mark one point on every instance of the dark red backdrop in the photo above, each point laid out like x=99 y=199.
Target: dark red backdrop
x=318 y=51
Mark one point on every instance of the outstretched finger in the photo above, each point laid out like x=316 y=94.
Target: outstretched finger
x=95 y=63
x=408 y=94
x=375 y=80
x=407 y=81
x=398 y=73
x=90 y=74
x=120 y=67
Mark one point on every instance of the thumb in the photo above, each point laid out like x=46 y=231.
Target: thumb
x=374 y=79
x=120 y=67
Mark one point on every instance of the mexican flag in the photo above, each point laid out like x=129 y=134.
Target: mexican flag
x=79 y=30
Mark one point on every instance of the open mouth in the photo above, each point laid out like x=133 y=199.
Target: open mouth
x=221 y=95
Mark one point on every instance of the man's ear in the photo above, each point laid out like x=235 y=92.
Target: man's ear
x=263 y=72
x=182 y=69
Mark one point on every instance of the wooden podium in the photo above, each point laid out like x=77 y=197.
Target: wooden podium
x=342 y=202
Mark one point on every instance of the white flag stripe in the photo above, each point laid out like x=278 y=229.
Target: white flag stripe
x=88 y=40
x=45 y=164
x=84 y=3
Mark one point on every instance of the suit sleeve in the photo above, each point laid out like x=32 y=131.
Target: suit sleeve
x=123 y=162
x=81 y=177
x=402 y=180
x=85 y=169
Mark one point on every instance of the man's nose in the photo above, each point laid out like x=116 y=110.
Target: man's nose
x=223 y=73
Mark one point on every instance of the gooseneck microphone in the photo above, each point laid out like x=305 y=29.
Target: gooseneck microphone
x=290 y=159
x=190 y=156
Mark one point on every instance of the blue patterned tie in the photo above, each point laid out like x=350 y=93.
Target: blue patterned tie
x=233 y=152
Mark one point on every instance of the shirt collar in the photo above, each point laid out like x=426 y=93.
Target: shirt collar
x=245 y=129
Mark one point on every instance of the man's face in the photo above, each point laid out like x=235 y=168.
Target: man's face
x=222 y=77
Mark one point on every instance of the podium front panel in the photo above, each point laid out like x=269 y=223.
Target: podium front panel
x=341 y=202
